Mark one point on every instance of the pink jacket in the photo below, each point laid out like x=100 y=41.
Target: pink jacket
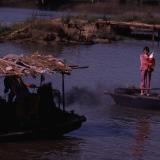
x=143 y=62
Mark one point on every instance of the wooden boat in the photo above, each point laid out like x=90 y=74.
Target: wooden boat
x=46 y=120
x=131 y=97
x=36 y=114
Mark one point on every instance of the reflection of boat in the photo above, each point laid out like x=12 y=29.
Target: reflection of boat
x=131 y=97
x=36 y=114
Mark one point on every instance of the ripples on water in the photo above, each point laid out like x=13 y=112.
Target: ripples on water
x=111 y=132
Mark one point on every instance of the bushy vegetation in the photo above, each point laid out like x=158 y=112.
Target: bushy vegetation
x=4 y=29
x=130 y=16
x=19 y=3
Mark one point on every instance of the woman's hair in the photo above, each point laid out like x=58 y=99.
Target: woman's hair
x=146 y=48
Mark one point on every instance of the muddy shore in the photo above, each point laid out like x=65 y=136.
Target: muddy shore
x=77 y=30
x=59 y=30
x=85 y=29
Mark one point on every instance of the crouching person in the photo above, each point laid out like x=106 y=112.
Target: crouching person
x=26 y=103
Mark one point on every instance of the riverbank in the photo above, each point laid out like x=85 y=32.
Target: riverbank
x=77 y=30
x=112 y=10
x=19 y=3
x=59 y=30
x=121 y=12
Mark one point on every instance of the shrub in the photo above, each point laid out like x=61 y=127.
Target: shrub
x=4 y=29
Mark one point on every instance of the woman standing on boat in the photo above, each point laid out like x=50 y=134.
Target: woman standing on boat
x=144 y=69
x=147 y=63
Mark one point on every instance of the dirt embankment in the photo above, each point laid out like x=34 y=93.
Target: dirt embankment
x=77 y=30
x=63 y=30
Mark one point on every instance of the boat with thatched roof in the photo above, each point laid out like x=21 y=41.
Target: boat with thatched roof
x=40 y=115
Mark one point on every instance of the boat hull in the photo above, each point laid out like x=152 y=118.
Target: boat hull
x=36 y=116
x=136 y=100
x=42 y=132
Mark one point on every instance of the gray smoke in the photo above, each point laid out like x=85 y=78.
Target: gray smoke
x=83 y=96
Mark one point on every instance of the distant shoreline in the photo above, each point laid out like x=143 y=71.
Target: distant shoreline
x=112 y=11
x=20 y=6
x=77 y=30
x=84 y=28
x=87 y=7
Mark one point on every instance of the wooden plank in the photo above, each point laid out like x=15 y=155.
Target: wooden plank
x=155 y=27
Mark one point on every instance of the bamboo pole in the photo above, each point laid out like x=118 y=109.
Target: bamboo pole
x=153 y=39
x=63 y=92
x=158 y=38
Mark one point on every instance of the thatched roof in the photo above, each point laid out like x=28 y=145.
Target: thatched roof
x=31 y=64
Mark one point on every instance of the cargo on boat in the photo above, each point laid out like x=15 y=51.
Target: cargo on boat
x=130 y=97
x=36 y=114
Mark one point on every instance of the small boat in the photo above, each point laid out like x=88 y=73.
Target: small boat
x=47 y=120
x=131 y=97
x=36 y=114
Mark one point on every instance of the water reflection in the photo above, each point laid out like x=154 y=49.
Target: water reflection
x=53 y=49
x=140 y=125
x=142 y=133
x=64 y=148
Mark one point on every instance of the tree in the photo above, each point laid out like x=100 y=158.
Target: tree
x=122 y=1
x=52 y=4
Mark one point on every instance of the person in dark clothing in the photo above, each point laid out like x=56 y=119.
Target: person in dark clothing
x=7 y=89
x=15 y=87
x=26 y=103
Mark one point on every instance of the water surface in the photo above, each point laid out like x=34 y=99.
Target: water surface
x=111 y=132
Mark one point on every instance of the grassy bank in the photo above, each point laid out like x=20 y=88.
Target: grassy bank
x=83 y=28
x=78 y=30
x=112 y=7
x=113 y=10
x=19 y=3
x=73 y=30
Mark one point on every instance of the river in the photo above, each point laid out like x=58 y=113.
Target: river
x=111 y=132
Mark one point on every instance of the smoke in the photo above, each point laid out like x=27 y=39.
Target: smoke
x=84 y=96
